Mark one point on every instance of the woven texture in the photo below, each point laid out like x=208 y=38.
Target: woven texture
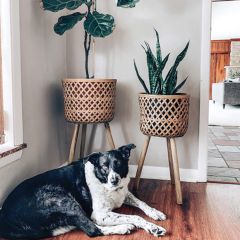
x=89 y=100
x=164 y=116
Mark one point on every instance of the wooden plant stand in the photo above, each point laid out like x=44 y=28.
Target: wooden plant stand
x=88 y=101
x=173 y=166
x=164 y=116
x=83 y=140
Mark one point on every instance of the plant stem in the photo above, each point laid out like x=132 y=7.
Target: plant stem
x=87 y=47
x=87 y=40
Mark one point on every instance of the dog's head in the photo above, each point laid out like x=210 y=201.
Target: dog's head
x=111 y=168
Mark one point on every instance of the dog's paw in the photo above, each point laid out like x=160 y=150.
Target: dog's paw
x=119 y=229
x=125 y=228
x=156 y=215
x=155 y=230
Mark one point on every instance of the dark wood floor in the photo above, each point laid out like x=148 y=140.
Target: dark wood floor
x=210 y=212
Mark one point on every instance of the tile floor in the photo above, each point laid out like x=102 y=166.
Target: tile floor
x=224 y=154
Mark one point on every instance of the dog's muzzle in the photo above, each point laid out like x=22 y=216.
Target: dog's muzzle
x=114 y=181
x=114 y=178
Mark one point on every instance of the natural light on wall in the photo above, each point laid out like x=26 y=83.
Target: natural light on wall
x=11 y=78
x=225 y=20
x=2 y=135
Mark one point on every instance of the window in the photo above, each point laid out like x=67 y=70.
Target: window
x=11 y=97
x=2 y=136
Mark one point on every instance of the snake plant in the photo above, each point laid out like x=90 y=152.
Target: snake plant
x=156 y=64
x=95 y=24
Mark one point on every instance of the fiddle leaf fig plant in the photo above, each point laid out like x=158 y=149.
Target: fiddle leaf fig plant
x=156 y=64
x=95 y=24
x=67 y=22
x=99 y=25
x=127 y=3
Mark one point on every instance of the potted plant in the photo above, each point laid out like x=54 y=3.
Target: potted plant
x=163 y=111
x=87 y=100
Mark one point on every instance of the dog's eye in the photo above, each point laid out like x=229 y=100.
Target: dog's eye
x=117 y=163
x=104 y=169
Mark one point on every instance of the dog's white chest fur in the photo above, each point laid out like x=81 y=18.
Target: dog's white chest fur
x=104 y=199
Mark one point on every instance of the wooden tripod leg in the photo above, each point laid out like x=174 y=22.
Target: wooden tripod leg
x=83 y=140
x=141 y=162
x=170 y=160
x=73 y=143
x=176 y=171
x=109 y=136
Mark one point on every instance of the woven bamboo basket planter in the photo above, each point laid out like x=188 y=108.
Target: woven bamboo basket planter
x=89 y=100
x=164 y=115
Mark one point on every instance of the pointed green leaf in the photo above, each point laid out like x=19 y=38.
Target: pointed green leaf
x=156 y=82
x=140 y=78
x=68 y=22
x=151 y=55
x=179 y=86
x=158 y=48
x=152 y=68
x=172 y=72
x=57 y=5
x=181 y=56
x=127 y=3
x=160 y=84
x=164 y=62
x=99 y=25
x=172 y=84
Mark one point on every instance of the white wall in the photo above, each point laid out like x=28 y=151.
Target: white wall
x=43 y=66
x=177 y=22
x=225 y=20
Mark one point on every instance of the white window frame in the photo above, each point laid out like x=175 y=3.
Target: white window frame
x=12 y=91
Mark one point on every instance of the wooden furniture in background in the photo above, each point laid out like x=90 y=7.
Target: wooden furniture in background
x=220 y=57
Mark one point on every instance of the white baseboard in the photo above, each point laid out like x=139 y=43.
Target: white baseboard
x=162 y=173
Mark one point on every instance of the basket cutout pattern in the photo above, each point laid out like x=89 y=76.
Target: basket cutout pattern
x=164 y=117
x=89 y=101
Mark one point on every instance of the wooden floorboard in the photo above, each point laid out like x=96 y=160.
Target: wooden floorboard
x=210 y=212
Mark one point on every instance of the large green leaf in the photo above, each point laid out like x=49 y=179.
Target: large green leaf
x=57 y=5
x=127 y=3
x=68 y=22
x=99 y=25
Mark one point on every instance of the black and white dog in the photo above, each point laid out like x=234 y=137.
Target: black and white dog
x=80 y=196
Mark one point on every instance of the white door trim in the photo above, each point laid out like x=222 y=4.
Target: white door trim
x=204 y=90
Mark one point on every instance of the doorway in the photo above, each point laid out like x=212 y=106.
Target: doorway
x=224 y=94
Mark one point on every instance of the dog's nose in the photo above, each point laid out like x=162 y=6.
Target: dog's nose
x=114 y=181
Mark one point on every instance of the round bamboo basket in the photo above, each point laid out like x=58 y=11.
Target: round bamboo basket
x=164 y=115
x=89 y=100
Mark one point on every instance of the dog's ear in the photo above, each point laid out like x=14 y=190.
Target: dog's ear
x=94 y=158
x=126 y=150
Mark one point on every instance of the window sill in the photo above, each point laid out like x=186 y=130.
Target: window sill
x=9 y=154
